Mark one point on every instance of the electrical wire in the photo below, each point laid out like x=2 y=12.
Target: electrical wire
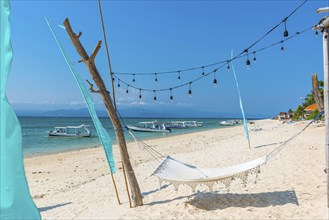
x=284 y=20
x=241 y=55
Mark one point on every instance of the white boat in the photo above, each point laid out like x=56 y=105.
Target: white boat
x=192 y=124
x=176 y=124
x=230 y=122
x=70 y=131
x=152 y=126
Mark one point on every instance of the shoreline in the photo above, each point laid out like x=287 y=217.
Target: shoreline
x=129 y=141
x=77 y=184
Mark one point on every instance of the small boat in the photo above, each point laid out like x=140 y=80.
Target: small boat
x=176 y=124
x=192 y=124
x=70 y=131
x=152 y=126
x=230 y=122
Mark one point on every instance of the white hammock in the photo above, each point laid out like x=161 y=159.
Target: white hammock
x=178 y=173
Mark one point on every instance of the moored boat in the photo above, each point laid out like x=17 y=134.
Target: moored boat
x=176 y=124
x=230 y=122
x=192 y=124
x=152 y=126
x=70 y=131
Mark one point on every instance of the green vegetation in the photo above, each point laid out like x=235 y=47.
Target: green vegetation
x=309 y=100
x=298 y=113
x=313 y=115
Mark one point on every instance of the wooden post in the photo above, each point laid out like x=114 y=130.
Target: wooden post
x=90 y=64
x=125 y=177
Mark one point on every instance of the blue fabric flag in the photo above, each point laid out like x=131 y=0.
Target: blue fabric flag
x=240 y=101
x=102 y=133
x=15 y=198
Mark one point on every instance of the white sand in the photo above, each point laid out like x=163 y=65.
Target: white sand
x=77 y=184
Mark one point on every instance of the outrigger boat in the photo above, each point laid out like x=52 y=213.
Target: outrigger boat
x=192 y=124
x=152 y=126
x=230 y=122
x=176 y=124
x=70 y=131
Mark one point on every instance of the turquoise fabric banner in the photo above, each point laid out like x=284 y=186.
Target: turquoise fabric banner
x=15 y=198
x=240 y=101
x=102 y=133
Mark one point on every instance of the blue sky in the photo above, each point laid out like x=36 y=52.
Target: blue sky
x=155 y=36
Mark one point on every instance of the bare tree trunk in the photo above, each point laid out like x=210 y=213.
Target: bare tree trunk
x=90 y=63
x=316 y=92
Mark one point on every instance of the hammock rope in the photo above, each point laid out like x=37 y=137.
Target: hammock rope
x=280 y=148
x=178 y=173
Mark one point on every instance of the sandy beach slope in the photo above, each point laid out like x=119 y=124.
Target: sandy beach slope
x=292 y=185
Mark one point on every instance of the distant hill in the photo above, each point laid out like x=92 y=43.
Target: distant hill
x=137 y=113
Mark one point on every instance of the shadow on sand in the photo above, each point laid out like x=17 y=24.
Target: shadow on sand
x=44 y=209
x=153 y=191
x=212 y=201
x=267 y=145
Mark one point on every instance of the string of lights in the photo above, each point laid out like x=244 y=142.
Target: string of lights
x=285 y=34
x=204 y=74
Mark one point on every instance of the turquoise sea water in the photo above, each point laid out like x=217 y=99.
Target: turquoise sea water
x=36 y=141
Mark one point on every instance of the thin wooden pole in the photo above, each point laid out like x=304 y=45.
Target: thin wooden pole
x=116 y=189
x=124 y=174
x=107 y=53
x=112 y=81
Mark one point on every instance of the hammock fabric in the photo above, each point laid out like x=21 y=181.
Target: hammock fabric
x=178 y=173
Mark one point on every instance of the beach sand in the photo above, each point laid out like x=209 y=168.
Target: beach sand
x=292 y=185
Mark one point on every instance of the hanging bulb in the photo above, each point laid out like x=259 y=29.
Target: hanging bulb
x=285 y=33
x=248 y=61
x=171 y=96
x=190 y=90
x=254 y=57
x=134 y=77
x=248 y=64
x=316 y=33
x=202 y=71
x=140 y=93
x=215 y=80
x=282 y=48
x=228 y=67
x=156 y=78
x=155 y=97
x=119 y=84
x=113 y=79
x=178 y=75
x=215 y=83
x=127 y=91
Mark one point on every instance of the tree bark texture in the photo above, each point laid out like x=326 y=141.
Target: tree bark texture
x=90 y=64
x=316 y=92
